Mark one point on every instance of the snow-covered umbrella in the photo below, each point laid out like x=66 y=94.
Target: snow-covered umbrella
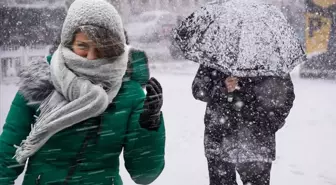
x=241 y=38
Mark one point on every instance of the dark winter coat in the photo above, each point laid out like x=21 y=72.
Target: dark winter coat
x=116 y=130
x=242 y=130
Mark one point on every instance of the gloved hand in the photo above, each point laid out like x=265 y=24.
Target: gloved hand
x=150 y=117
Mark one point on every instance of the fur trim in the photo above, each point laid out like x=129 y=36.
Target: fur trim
x=35 y=84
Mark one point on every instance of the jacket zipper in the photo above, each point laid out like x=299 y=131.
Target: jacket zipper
x=37 y=180
x=89 y=136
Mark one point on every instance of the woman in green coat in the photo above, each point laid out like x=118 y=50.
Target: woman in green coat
x=71 y=119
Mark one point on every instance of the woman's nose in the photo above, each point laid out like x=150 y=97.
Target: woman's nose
x=92 y=54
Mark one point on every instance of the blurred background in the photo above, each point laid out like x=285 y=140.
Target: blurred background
x=29 y=28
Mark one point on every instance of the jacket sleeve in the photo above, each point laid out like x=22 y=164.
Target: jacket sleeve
x=144 y=150
x=17 y=127
x=274 y=100
x=207 y=85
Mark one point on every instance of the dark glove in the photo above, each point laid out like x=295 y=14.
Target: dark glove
x=150 y=117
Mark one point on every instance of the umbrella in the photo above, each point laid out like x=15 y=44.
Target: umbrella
x=241 y=38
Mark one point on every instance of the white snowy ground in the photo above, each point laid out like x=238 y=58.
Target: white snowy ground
x=306 y=146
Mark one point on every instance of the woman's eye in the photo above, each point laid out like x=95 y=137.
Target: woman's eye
x=82 y=46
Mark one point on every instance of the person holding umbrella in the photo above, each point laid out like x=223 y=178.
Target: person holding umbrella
x=242 y=116
x=246 y=50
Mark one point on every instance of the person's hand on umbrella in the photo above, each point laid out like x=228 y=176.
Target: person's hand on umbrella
x=231 y=84
x=150 y=118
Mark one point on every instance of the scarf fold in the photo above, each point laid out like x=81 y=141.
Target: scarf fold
x=83 y=89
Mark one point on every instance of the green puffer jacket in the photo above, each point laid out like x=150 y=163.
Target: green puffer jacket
x=119 y=130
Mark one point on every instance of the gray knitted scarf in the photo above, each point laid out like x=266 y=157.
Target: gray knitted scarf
x=83 y=89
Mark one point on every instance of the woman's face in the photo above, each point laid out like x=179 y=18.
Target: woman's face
x=85 y=47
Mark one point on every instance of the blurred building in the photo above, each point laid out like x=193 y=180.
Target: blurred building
x=176 y=6
x=28 y=29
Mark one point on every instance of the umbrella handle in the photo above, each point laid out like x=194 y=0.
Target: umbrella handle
x=230 y=97
x=230 y=94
